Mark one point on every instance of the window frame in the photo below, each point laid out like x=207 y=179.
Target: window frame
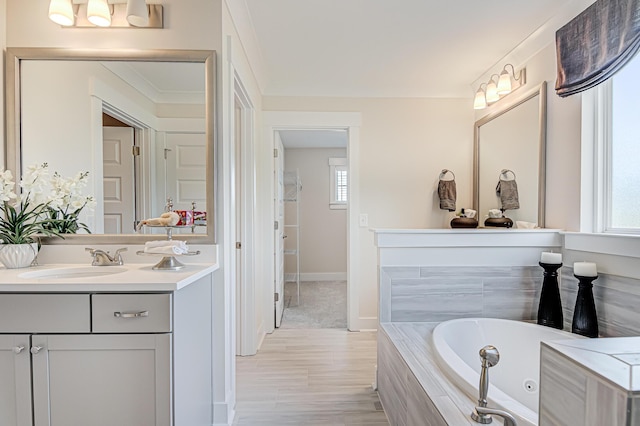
x=335 y=165
x=597 y=152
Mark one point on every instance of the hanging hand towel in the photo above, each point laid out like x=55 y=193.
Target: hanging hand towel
x=447 y=192
x=507 y=190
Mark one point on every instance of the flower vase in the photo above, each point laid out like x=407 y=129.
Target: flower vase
x=15 y=256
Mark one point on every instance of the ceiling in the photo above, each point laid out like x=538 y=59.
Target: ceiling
x=388 y=48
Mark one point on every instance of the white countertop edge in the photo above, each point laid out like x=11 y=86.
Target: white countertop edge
x=137 y=278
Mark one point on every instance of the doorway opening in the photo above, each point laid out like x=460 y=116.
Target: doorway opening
x=315 y=201
x=122 y=180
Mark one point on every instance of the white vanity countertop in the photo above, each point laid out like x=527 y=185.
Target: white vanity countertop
x=136 y=278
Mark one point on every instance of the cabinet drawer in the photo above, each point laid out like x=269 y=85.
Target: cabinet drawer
x=131 y=313
x=44 y=313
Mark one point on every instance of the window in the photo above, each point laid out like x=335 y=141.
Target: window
x=622 y=152
x=338 y=180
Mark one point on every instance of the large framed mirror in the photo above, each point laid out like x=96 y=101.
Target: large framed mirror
x=510 y=144
x=141 y=122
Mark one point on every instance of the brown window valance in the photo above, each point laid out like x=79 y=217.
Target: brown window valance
x=596 y=44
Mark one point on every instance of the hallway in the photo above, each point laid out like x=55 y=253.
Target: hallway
x=319 y=377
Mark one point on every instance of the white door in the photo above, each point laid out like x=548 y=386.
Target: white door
x=102 y=380
x=186 y=171
x=279 y=231
x=118 y=183
x=15 y=382
x=238 y=213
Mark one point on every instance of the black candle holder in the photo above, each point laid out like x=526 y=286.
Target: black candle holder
x=550 y=307
x=585 y=321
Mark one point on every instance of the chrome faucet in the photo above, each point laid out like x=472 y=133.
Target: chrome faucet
x=481 y=414
x=102 y=258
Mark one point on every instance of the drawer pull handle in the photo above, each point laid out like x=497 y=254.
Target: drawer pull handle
x=131 y=314
x=18 y=349
x=36 y=349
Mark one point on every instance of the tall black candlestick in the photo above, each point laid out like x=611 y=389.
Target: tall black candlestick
x=585 y=321
x=550 y=307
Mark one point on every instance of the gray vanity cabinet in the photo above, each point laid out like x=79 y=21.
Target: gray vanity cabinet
x=15 y=380
x=105 y=359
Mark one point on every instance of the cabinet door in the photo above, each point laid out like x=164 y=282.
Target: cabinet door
x=102 y=380
x=15 y=381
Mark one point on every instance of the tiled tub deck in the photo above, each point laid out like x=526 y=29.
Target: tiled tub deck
x=413 y=390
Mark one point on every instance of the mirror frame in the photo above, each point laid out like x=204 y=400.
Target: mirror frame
x=541 y=91
x=14 y=56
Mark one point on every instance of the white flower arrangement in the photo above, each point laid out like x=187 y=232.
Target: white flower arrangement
x=48 y=207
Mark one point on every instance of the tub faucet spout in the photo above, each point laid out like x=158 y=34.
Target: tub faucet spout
x=485 y=414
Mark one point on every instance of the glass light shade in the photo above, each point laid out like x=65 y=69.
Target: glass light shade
x=504 y=83
x=492 y=92
x=61 y=12
x=137 y=13
x=99 y=13
x=479 y=102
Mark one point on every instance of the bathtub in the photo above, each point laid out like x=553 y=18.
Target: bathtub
x=514 y=380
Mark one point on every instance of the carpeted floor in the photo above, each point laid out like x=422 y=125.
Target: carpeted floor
x=323 y=304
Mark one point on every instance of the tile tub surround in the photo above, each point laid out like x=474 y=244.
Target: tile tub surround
x=436 y=293
x=617 y=300
x=440 y=274
x=412 y=389
x=591 y=382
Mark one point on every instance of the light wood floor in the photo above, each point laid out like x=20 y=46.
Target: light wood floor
x=307 y=377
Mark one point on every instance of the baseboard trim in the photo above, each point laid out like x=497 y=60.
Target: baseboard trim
x=323 y=276
x=223 y=414
x=365 y=324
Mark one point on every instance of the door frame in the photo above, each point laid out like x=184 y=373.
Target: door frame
x=274 y=121
x=249 y=328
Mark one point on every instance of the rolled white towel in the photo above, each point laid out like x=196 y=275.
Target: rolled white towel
x=166 y=247
x=166 y=250
x=166 y=243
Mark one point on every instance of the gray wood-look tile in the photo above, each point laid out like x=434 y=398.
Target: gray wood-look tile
x=309 y=377
x=617 y=300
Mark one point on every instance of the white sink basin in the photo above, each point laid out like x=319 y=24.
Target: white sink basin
x=72 y=272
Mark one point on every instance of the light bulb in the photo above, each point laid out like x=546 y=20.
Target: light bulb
x=99 y=13
x=504 y=83
x=492 y=92
x=479 y=102
x=137 y=13
x=61 y=12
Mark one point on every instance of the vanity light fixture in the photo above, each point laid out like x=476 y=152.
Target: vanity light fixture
x=496 y=88
x=106 y=13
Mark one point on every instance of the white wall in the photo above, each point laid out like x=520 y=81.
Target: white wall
x=323 y=231
x=404 y=144
x=3 y=45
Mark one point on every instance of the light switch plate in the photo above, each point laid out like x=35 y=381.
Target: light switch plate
x=364 y=220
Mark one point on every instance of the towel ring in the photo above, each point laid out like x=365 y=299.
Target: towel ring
x=505 y=172
x=444 y=172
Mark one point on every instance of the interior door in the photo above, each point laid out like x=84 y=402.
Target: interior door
x=15 y=382
x=186 y=171
x=279 y=230
x=118 y=183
